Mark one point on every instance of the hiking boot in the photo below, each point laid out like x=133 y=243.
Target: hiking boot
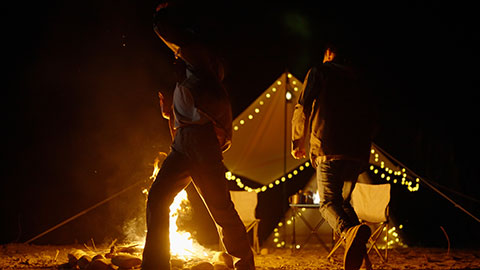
x=355 y=246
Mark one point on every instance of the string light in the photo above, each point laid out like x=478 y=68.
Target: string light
x=272 y=90
x=290 y=175
x=398 y=176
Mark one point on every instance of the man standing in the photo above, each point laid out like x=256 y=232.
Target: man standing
x=200 y=114
x=335 y=106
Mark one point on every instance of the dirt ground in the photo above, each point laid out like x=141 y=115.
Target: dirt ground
x=22 y=256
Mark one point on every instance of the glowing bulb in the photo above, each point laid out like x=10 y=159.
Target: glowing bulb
x=261 y=102
x=288 y=95
x=289 y=75
x=235 y=128
x=279 y=82
x=257 y=110
x=274 y=89
x=250 y=116
x=242 y=122
x=268 y=95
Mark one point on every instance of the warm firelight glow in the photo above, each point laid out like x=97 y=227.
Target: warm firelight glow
x=156 y=168
x=181 y=243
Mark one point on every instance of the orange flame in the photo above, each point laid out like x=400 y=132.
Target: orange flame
x=182 y=245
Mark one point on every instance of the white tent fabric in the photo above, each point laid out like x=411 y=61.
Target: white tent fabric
x=261 y=139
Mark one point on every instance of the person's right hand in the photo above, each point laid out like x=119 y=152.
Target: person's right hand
x=299 y=153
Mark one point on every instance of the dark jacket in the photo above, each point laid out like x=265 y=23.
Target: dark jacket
x=336 y=106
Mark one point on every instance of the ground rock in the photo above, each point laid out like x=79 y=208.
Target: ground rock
x=84 y=261
x=177 y=263
x=97 y=257
x=223 y=257
x=74 y=256
x=126 y=261
x=100 y=264
x=220 y=266
x=203 y=266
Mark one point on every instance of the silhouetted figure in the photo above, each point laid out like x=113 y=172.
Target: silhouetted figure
x=200 y=117
x=335 y=109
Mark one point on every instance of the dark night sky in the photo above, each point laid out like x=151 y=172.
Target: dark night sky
x=82 y=119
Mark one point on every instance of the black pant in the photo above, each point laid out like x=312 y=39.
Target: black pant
x=195 y=153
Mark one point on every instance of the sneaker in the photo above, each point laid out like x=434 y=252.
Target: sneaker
x=355 y=246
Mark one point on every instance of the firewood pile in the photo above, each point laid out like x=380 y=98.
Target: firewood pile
x=129 y=257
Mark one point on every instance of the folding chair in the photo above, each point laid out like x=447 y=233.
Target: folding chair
x=370 y=202
x=245 y=203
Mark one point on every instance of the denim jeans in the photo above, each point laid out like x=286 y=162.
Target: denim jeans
x=195 y=156
x=336 y=180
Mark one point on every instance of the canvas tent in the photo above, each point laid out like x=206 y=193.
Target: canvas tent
x=261 y=140
x=260 y=150
x=262 y=134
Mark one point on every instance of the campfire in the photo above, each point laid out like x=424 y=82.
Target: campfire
x=185 y=251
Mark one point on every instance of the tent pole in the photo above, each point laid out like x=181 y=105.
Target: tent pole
x=423 y=180
x=284 y=189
